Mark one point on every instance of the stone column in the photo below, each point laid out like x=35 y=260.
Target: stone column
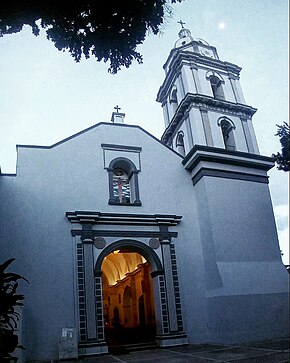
x=194 y=70
x=165 y=246
x=89 y=288
x=206 y=126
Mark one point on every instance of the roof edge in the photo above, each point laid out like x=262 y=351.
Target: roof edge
x=91 y=128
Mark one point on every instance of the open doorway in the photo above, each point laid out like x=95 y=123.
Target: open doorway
x=128 y=300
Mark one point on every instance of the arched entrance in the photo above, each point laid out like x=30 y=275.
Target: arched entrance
x=158 y=250
x=128 y=298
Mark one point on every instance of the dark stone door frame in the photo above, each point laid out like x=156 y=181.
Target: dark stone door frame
x=89 y=277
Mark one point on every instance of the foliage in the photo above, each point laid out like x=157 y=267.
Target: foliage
x=108 y=30
x=9 y=301
x=283 y=158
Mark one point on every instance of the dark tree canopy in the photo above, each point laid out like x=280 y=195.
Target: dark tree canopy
x=109 y=30
x=9 y=316
x=283 y=158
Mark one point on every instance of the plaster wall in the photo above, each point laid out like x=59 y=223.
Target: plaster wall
x=165 y=113
x=69 y=177
x=227 y=230
x=187 y=77
x=196 y=127
x=253 y=136
x=243 y=268
x=241 y=98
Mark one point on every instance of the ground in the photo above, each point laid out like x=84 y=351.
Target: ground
x=272 y=351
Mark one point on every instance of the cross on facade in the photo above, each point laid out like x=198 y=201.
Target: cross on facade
x=117 y=108
x=181 y=23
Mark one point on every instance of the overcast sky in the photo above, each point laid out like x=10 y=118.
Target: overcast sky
x=46 y=96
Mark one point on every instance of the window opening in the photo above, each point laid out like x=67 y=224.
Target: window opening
x=121 y=186
x=228 y=134
x=216 y=86
x=180 y=143
x=173 y=98
x=123 y=182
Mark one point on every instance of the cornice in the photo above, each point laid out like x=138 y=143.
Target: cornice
x=123 y=219
x=200 y=153
x=193 y=58
x=207 y=103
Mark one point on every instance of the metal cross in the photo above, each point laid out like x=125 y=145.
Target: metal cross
x=181 y=23
x=117 y=108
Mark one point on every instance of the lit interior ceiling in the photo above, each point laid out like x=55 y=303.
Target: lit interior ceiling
x=116 y=265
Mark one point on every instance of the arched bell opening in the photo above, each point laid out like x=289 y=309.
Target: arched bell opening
x=127 y=292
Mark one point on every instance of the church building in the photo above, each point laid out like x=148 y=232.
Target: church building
x=127 y=239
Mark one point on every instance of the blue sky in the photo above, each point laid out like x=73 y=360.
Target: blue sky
x=46 y=96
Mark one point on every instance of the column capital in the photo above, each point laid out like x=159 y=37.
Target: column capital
x=164 y=241
x=87 y=238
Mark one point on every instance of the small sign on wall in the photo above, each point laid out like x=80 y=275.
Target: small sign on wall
x=67 y=344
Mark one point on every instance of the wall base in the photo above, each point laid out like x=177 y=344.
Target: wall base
x=171 y=340
x=92 y=348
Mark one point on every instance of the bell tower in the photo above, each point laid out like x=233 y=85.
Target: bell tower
x=206 y=117
x=202 y=100
x=208 y=122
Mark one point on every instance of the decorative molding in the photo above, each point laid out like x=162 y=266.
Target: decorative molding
x=109 y=164
x=100 y=242
x=137 y=203
x=110 y=124
x=179 y=57
x=123 y=219
x=220 y=158
x=157 y=273
x=115 y=233
x=228 y=175
x=176 y=288
x=207 y=103
x=148 y=253
x=121 y=147
x=223 y=156
x=154 y=243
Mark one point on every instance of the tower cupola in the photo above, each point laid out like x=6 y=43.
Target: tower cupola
x=184 y=38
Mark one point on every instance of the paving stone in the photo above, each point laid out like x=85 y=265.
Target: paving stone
x=171 y=357
x=197 y=348
x=230 y=354
x=281 y=344
x=274 y=351
x=265 y=358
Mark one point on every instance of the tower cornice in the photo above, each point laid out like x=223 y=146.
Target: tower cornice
x=178 y=58
x=205 y=103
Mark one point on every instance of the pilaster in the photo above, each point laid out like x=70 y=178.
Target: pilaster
x=165 y=246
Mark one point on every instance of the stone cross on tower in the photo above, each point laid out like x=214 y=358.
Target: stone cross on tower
x=117 y=108
x=117 y=117
x=181 y=23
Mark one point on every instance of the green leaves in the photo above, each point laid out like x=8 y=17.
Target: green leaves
x=9 y=317
x=108 y=30
x=283 y=159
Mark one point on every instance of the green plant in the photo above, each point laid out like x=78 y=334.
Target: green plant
x=9 y=317
x=283 y=159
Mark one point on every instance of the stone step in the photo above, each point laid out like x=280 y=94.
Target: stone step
x=126 y=348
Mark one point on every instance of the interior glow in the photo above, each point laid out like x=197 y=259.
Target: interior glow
x=117 y=264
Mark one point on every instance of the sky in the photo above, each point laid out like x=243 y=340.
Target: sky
x=46 y=96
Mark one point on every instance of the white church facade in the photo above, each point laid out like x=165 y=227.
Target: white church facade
x=117 y=230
